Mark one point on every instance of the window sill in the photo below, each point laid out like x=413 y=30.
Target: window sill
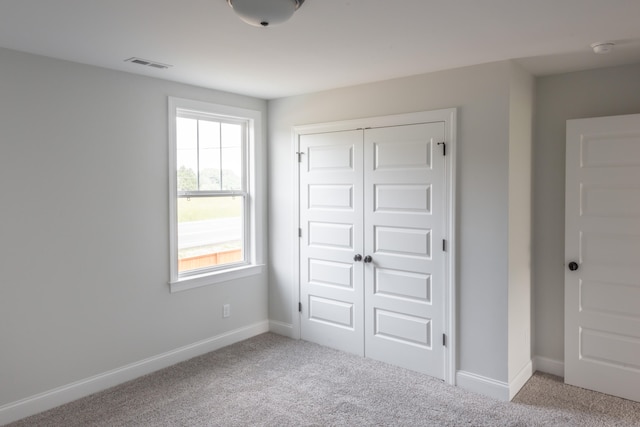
x=192 y=282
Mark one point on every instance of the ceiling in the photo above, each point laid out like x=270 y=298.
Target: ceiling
x=327 y=44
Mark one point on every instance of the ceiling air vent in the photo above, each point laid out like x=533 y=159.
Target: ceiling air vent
x=147 y=63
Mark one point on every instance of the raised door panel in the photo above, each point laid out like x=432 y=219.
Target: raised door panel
x=402 y=285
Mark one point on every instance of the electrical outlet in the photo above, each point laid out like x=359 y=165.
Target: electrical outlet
x=226 y=310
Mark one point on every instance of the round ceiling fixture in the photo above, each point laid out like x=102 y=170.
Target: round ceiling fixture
x=602 y=47
x=265 y=13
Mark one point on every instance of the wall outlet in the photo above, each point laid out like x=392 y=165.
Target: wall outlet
x=226 y=310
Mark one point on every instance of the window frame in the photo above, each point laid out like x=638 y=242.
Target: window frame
x=252 y=264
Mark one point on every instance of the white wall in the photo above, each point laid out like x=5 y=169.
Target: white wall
x=603 y=92
x=482 y=94
x=84 y=227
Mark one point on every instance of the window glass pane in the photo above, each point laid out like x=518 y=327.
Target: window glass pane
x=209 y=133
x=187 y=153
x=210 y=232
x=232 y=138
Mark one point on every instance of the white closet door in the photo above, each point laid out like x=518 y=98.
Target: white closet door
x=602 y=280
x=404 y=206
x=331 y=282
x=372 y=264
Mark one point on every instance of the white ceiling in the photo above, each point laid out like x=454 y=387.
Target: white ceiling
x=327 y=44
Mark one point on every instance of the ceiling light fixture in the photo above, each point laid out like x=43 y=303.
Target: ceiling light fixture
x=264 y=13
x=602 y=47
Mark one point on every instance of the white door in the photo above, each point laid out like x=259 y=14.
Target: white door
x=404 y=232
x=602 y=279
x=372 y=222
x=331 y=282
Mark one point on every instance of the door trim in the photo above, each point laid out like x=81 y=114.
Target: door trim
x=448 y=116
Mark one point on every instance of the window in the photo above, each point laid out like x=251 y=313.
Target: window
x=213 y=193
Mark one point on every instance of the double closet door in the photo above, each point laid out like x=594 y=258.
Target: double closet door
x=372 y=247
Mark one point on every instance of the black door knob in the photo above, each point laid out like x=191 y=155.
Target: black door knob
x=368 y=259
x=357 y=257
x=573 y=266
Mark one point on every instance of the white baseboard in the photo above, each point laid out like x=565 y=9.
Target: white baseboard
x=550 y=366
x=281 y=328
x=67 y=393
x=483 y=385
x=493 y=388
x=520 y=380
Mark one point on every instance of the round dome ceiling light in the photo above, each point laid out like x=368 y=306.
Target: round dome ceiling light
x=602 y=47
x=265 y=13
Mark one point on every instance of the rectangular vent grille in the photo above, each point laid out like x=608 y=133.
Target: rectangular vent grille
x=147 y=63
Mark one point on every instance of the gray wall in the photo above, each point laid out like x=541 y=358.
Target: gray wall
x=84 y=227
x=482 y=95
x=603 y=92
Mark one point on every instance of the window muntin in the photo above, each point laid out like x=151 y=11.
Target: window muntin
x=210 y=154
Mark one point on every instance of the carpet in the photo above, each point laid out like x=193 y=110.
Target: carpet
x=270 y=380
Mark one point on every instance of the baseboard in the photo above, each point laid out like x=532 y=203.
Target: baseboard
x=550 y=366
x=281 y=328
x=520 y=380
x=483 y=385
x=67 y=393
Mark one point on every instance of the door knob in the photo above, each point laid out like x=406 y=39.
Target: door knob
x=368 y=259
x=357 y=257
x=573 y=266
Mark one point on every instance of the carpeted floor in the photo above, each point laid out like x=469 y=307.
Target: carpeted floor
x=270 y=380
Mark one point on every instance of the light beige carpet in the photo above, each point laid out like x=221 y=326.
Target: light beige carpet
x=270 y=380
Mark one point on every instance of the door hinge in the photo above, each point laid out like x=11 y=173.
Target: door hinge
x=444 y=245
x=300 y=307
x=444 y=340
x=299 y=153
x=444 y=148
x=299 y=232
